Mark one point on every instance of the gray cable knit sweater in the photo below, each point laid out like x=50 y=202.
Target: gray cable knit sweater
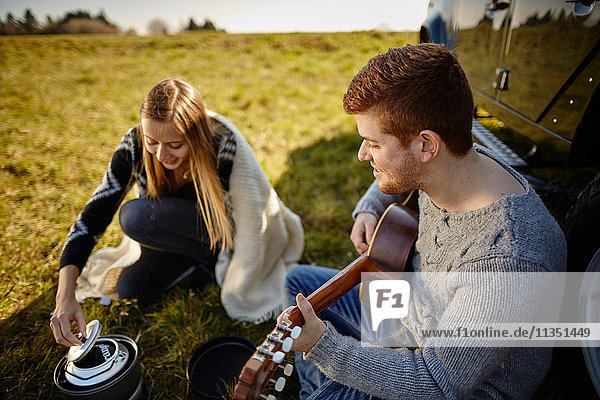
x=516 y=233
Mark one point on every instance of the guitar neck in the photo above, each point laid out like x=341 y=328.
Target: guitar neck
x=389 y=249
x=336 y=287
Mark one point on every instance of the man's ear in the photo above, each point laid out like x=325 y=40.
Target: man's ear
x=430 y=145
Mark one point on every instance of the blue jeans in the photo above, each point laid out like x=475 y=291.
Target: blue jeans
x=344 y=315
x=174 y=245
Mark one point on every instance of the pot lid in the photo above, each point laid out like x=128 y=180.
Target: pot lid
x=93 y=329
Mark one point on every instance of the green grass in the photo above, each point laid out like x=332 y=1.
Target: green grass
x=65 y=101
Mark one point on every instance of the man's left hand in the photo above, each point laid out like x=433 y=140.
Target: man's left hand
x=313 y=327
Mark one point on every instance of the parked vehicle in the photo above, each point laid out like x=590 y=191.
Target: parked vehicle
x=534 y=65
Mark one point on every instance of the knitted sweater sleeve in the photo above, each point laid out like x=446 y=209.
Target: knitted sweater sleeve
x=429 y=371
x=375 y=202
x=103 y=204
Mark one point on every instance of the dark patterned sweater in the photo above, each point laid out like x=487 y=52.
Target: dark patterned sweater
x=124 y=170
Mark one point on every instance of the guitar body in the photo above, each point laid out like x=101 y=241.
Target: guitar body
x=388 y=251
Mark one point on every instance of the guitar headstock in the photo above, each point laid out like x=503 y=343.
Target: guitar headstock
x=267 y=358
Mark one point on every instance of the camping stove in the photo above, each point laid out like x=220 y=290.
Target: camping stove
x=104 y=367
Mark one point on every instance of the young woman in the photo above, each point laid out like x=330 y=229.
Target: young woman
x=205 y=207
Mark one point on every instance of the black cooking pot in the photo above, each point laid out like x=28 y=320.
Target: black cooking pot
x=217 y=364
x=103 y=368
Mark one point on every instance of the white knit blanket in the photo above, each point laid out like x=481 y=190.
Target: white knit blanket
x=268 y=242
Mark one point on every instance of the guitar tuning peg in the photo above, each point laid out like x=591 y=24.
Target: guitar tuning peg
x=278 y=357
x=294 y=333
x=269 y=397
x=279 y=383
x=288 y=369
x=286 y=344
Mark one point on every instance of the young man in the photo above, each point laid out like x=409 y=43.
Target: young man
x=414 y=110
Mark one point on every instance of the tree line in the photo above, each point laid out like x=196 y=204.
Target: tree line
x=158 y=26
x=78 y=21
x=81 y=21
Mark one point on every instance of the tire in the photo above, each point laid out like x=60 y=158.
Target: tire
x=589 y=306
x=582 y=231
x=582 y=227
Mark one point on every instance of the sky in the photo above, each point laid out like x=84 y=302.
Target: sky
x=239 y=16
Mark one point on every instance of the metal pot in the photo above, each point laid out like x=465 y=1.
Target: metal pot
x=102 y=368
x=217 y=364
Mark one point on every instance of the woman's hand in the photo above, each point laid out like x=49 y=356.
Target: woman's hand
x=67 y=308
x=362 y=231
x=313 y=327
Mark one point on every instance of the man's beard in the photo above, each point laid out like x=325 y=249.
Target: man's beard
x=406 y=179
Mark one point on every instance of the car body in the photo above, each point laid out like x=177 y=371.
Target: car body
x=535 y=65
x=532 y=63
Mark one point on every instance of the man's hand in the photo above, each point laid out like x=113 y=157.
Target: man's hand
x=313 y=327
x=67 y=309
x=362 y=231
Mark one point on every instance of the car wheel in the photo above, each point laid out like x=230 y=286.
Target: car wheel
x=578 y=369
x=589 y=311
x=582 y=227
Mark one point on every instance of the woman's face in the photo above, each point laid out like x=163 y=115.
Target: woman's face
x=169 y=146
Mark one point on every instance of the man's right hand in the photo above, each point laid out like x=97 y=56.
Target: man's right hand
x=362 y=231
x=67 y=308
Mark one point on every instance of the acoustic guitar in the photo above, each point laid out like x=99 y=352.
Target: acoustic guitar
x=388 y=251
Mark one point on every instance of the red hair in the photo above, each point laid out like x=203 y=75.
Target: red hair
x=414 y=88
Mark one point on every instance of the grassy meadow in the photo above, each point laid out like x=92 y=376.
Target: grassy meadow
x=65 y=102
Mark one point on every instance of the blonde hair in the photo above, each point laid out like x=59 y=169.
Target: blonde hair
x=176 y=102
